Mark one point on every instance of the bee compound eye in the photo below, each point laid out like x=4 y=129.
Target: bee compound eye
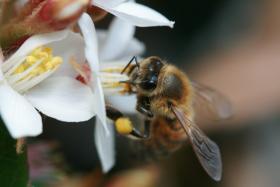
x=149 y=83
x=155 y=66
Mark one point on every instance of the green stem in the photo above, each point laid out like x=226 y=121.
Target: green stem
x=10 y=34
x=13 y=166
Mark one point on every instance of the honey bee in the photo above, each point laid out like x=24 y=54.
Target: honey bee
x=166 y=97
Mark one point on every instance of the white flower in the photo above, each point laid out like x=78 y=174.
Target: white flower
x=134 y=13
x=118 y=43
x=104 y=139
x=24 y=85
x=104 y=136
x=121 y=33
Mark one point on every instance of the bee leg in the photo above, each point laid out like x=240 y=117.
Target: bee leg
x=144 y=111
x=146 y=134
x=143 y=106
x=113 y=113
x=124 y=126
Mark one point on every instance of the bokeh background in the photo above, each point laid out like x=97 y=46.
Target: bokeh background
x=231 y=45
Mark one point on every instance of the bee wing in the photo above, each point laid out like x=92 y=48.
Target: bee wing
x=215 y=103
x=207 y=151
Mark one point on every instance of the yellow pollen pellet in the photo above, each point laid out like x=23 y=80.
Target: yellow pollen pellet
x=123 y=126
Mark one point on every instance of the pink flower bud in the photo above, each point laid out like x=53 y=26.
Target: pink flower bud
x=58 y=14
x=96 y=13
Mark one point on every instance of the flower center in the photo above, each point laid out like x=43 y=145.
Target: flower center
x=37 y=66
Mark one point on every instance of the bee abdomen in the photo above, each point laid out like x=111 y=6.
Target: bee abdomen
x=166 y=137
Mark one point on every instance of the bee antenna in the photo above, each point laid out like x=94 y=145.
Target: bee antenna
x=127 y=65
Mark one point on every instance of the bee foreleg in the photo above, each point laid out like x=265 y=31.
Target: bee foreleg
x=144 y=111
x=143 y=106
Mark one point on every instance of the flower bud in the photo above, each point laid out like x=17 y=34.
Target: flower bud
x=40 y=16
x=96 y=13
x=58 y=14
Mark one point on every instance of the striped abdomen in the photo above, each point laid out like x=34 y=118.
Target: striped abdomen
x=166 y=137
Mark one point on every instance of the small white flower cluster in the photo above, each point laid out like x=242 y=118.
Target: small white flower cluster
x=38 y=75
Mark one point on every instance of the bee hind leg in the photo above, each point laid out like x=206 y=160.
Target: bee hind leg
x=124 y=125
x=113 y=113
x=146 y=134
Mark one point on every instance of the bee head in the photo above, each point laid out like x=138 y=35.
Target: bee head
x=150 y=69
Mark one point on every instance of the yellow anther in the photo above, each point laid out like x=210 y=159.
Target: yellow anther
x=49 y=65
x=56 y=61
x=30 y=60
x=20 y=69
x=53 y=63
x=48 y=50
x=40 y=70
x=42 y=55
x=123 y=126
x=36 y=51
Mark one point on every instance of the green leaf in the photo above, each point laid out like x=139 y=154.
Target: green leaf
x=13 y=166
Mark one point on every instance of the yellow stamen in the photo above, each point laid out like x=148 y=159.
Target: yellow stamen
x=30 y=60
x=20 y=69
x=112 y=70
x=111 y=84
x=73 y=62
x=43 y=55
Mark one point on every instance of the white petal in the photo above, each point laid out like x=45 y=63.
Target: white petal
x=105 y=146
x=91 y=49
x=104 y=136
x=136 y=14
x=70 y=48
x=100 y=104
x=124 y=103
x=32 y=43
x=108 y=3
x=133 y=48
x=18 y=114
x=63 y=98
x=119 y=36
